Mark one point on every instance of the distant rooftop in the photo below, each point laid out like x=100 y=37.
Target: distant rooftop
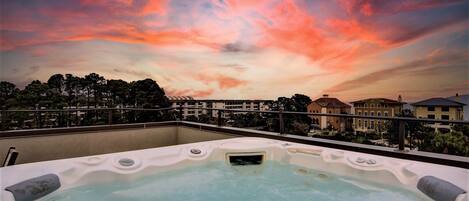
x=179 y=98
x=380 y=100
x=190 y=98
x=438 y=102
x=331 y=102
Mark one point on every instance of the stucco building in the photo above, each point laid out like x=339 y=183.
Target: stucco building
x=329 y=105
x=375 y=107
x=439 y=108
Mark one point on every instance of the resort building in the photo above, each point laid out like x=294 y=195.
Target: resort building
x=439 y=108
x=329 y=105
x=375 y=107
x=188 y=101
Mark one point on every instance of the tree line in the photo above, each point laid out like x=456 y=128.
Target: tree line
x=92 y=90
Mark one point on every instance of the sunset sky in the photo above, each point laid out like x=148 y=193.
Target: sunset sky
x=245 y=49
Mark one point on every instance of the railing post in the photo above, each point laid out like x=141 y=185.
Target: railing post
x=109 y=116
x=4 y=118
x=280 y=119
x=401 y=134
x=180 y=112
x=219 y=117
x=37 y=116
x=77 y=118
x=68 y=118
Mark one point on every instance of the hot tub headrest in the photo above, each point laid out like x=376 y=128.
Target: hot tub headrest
x=438 y=189
x=34 y=188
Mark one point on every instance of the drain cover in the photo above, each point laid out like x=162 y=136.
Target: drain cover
x=195 y=151
x=126 y=162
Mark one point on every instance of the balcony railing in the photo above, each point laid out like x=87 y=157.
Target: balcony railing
x=108 y=116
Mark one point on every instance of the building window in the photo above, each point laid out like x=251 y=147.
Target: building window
x=372 y=124
x=359 y=123
x=372 y=105
x=445 y=117
x=431 y=108
x=431 y=116
x=445 y=109
x=372 y=113
x=366 y=124
x=379 y=114
x=366 y=113
x=359 y=113
x=385 y=114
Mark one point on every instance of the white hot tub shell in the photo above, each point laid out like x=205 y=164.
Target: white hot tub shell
x=130 y=165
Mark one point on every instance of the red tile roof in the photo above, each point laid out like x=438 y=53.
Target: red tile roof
x=331 y=102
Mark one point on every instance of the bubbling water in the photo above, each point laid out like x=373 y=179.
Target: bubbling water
x=215 y=181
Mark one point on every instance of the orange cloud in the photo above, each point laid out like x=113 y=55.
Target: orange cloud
x=353 y=30
x=223 y=81
x=292 y=29
x=153 y=6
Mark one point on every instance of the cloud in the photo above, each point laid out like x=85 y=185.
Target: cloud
x=232 y=47
x=420 y=66
x=223 y=81
x=139 y=74
x=155 y=7
x=373 y=7
x=235 y=48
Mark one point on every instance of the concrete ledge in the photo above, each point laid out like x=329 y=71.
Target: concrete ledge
x=74 y=130
x=226 y=132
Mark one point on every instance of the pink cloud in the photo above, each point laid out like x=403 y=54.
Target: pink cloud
x=158 y=7
x=223 y=81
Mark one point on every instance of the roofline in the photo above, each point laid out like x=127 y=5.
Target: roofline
x=344 y=104
x=394 y=101
x=419 y=103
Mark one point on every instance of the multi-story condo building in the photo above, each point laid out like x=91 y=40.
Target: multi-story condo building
x=188 y=101
x=238 y=105
x=439 y=108
x=329 y=105
x=375 y=107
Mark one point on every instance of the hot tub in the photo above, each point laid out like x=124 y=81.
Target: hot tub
x=234 y=169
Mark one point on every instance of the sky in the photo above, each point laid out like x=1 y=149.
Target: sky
x=252 y=49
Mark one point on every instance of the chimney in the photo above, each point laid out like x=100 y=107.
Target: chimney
x=399 y=98
x=456 y=98
x=325 y=95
